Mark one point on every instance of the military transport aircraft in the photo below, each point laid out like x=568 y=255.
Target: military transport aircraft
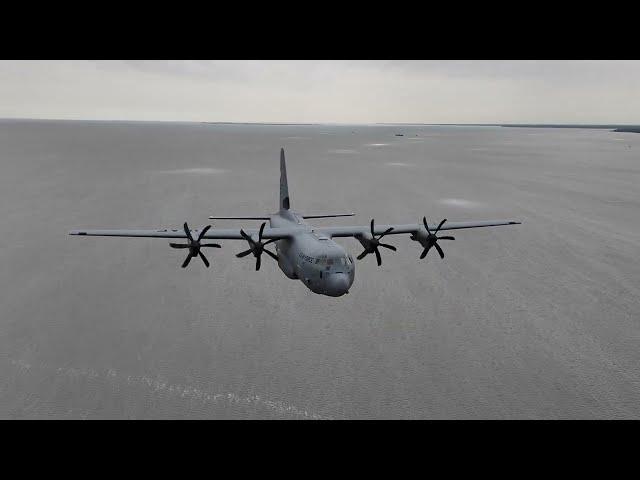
x=303 y=251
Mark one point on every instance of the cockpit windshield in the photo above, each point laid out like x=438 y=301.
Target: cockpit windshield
x=342 y=260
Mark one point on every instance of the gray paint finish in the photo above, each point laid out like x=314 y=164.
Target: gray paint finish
x=304 y=252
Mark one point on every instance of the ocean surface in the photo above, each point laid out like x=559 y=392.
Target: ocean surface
x=539 y=320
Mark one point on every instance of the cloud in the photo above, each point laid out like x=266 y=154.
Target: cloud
x=324 y=91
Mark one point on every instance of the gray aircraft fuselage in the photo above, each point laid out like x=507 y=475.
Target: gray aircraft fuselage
x=313 y=258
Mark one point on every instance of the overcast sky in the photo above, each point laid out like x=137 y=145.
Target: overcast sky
x=324 y=91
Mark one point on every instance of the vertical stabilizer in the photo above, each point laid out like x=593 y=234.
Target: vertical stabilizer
x=284 y=188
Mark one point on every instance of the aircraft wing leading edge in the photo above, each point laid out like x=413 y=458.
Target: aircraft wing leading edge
x=354 y=231
x=212 y=234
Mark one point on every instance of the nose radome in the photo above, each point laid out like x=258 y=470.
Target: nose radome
x=337 y=284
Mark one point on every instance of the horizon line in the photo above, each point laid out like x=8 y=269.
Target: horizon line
x=209 y=122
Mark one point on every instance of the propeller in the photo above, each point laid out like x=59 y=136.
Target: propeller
x=371 y=246
x=432 y=239
x=257 y=248
x=194 y=246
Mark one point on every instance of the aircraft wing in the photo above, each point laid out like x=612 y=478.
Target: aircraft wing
x=412 y=228
x=213 y=233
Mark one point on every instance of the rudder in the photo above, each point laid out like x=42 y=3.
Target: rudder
x=284 y=187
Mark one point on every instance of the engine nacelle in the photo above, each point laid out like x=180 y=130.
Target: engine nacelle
x=365 y=240
x=420 y=236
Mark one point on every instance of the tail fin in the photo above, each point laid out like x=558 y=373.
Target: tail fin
x=284 y=187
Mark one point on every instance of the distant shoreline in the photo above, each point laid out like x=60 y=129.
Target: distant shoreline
x=612 y=127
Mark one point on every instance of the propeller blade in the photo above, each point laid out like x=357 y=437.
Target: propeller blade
x=446 y=238
x=187 y=231
x=388 y=230
x=372 y=234
x=246 y=237
x=441 y=223
x=362 y=255
x=425 y=251
x=390 y=247
x=204 y=259
x=261 y=230
x=271 y=254
x=426 y=225
x=187 y=260
x=202 y=233
x=439 y=250
x=270 y=241
x=194 y=245
x=258 y=263
x=244 y=254
x=378 y=258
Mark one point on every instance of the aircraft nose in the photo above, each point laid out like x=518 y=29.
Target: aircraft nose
x=337 y=284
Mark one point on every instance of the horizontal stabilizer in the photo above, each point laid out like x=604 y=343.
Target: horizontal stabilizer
x=239 y=218
x=330 y=215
